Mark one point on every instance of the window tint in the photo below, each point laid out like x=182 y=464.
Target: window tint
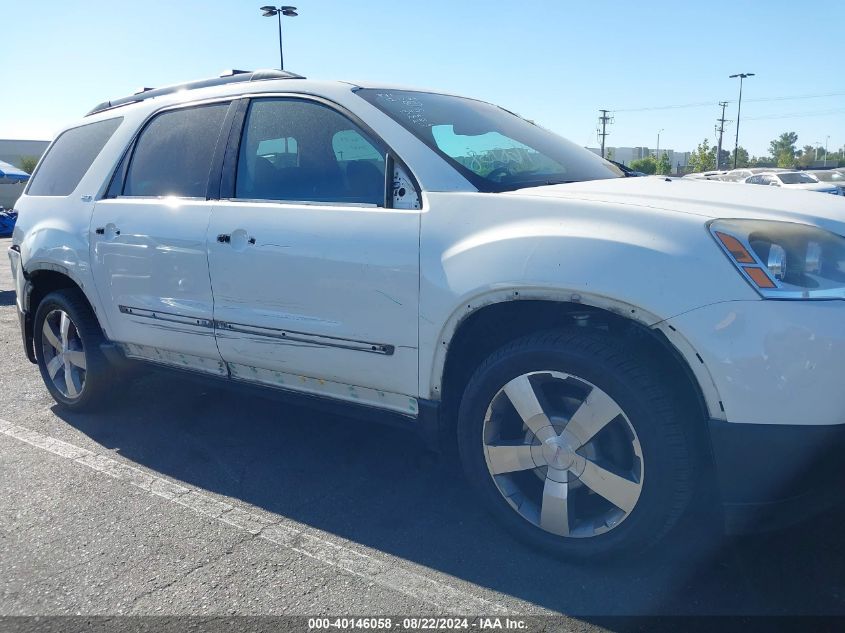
x=304 y=151
x=70 y=157
x=796 y=178
x=173 y=155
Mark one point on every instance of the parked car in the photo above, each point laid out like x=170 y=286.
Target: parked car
x=793 y=180
x=831 y=176
x=705 y=175
x=8 y=217
x=742 y=173
x=604 y=352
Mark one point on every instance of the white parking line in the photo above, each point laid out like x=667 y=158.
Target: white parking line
x=282 y=532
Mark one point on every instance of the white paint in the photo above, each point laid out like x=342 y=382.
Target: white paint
x=788 y=372
x=280 y=532
x=152 y=257
x=329 y=271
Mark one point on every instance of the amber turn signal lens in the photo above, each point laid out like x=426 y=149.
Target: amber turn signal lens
x=735 y=248
x=759 y=277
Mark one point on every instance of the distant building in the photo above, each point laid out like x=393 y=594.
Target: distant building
x=13 y=151
x=626 y=155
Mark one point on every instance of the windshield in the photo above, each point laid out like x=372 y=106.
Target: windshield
x=493 y=148
x=830 y=176
x=796 y=178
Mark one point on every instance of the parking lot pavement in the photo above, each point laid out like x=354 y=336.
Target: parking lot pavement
x=185 y=498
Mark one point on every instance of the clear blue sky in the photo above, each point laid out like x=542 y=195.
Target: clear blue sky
x=556 y=62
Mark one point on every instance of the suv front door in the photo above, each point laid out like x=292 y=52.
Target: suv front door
x=148 y=241
x=315 y=280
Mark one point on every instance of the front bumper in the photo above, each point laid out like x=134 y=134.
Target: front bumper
x=772 y=362
x=779 y=370
x=774 y=475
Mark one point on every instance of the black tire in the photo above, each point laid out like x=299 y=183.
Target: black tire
x=667 y=443
x=97 y=374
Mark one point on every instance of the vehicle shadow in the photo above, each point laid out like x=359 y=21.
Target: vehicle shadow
x=379 y=487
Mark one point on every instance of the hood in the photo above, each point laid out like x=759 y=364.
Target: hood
x=709 y=199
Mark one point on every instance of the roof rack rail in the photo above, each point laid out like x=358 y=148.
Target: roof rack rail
x=226 y=77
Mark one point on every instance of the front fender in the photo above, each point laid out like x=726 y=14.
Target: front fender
x=641 y=263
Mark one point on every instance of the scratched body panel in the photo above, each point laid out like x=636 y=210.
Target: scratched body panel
x=338 y=276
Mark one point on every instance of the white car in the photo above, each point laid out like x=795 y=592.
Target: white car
x=604 y=352
x=834 y=177
x=793 y=180
x=740 y=174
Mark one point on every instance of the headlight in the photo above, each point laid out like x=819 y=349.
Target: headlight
x=784 y=260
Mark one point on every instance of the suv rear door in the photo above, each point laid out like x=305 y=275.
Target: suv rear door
x=148 y=240
x=315 y=278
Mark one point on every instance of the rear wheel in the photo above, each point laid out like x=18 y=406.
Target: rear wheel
x=67 y=345
x=575 y=445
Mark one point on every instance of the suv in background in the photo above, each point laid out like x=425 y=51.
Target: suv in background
x=831 y=176
x=604 y=352
x=801 y=180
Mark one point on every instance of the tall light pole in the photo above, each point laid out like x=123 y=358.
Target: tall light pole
x=657 y=151
x=271 y=11
x=738 y=110
x=826 y=139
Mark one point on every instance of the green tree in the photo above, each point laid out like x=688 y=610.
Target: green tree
x=28 y=163
x=608 y=154
x=786 y=159
x=782 y=149
x=742 y=159
x=703 y=158
x=646 y=165
x=664 y=165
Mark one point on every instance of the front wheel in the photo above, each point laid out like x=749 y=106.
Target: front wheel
x=67 y=345
x=575 y=445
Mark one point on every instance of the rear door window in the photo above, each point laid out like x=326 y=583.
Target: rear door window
x=173 y=154
x=70 y=157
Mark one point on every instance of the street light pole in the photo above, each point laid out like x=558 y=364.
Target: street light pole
x=268 y=12
x=826 y=140
x=657 y=151
x=738 y=110
x=281 y=54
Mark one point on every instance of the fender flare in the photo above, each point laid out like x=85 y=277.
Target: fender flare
x=623 y=309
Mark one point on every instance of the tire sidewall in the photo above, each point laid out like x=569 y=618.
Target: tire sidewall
x=660 y=460
x=59 y=300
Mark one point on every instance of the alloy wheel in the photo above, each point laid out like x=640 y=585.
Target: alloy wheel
x=64 y=354
x=563 y=454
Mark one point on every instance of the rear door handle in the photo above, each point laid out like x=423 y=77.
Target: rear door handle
x=224 y=238
x=101 y=230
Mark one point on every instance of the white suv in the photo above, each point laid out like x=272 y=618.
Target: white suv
x=605 y=352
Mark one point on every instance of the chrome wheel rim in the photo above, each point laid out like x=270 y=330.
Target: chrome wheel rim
x=64 y=354
x=563 y=454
